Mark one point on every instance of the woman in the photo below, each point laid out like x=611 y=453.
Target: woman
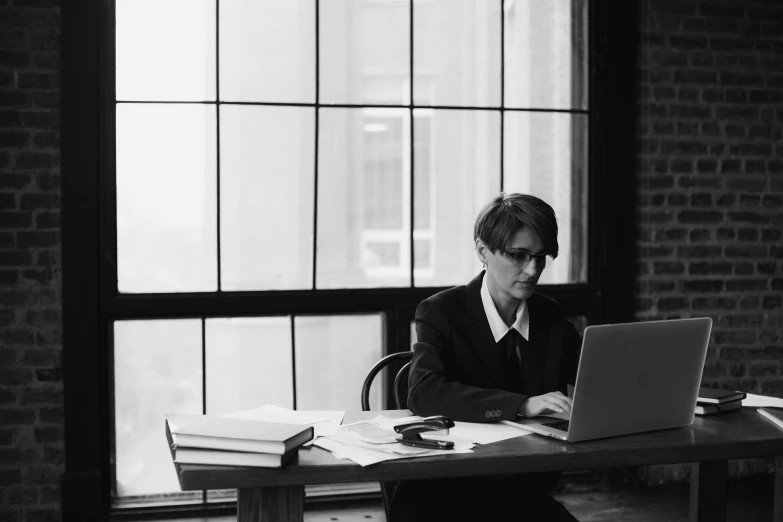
x=492 y=350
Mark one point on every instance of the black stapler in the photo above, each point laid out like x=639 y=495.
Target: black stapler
x=410 y=432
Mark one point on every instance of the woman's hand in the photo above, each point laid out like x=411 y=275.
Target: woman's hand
x=548 y=403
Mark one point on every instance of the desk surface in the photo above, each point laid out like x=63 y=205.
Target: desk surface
x=740 y=434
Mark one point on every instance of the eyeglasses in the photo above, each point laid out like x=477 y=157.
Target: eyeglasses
x=521 y=258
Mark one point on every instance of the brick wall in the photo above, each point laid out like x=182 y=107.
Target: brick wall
x=31 y=411
x=711 y=185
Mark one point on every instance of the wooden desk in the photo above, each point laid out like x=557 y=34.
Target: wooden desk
x=708 y=443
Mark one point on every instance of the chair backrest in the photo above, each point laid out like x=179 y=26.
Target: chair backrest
x=400 y=380
x=401 y=387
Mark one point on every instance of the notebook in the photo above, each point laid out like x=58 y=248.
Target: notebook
x=716 y=396
x=710 y=409
x=632 y=378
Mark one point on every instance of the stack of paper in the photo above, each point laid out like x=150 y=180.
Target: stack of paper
x=372 y=441
x=202 y=439
x=324 y=422
x=762 y=401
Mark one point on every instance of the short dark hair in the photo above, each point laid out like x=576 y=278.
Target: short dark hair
x=506 y=214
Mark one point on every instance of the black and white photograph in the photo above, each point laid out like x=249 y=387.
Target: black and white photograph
x=391 y=260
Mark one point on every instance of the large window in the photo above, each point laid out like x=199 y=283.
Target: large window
x=268 y=145
x=283 y=181
x=272 y=146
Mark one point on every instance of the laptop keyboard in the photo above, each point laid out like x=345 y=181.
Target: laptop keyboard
x=558 y=425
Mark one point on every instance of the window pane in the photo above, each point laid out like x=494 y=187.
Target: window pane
x=266 y=179
x=165 y=50
x=546 y=155
x=545 y=53
x=457 y=52
x=248 y=362
x=267 y=50
x=166 y=198
x=363 y=198
x=157 y=370
x=364 y=52
x=457 y=171
x=330 y=370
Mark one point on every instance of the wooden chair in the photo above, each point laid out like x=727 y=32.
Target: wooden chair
x=400 y=389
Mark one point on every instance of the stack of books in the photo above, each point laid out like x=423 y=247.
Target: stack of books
x=201 y=439
x=711 y=401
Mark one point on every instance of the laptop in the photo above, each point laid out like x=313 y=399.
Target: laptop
x=632 y=378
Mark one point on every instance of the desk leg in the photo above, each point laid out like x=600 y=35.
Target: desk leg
x=777 y=499
x=285 y=504
x=708 y=491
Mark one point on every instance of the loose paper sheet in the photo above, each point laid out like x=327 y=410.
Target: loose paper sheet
x=372 y=441
x=375 y=431
x=378 y=434
x=487 y=432
x=761 y=401
x=461 y=433
x=324 y=422
x=367 y=457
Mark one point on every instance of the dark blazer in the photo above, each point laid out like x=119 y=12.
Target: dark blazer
x=456 y=370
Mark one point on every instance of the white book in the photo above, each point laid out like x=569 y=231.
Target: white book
x=230 y=458
x=205 y=432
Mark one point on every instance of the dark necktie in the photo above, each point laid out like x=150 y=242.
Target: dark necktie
x=512 y=370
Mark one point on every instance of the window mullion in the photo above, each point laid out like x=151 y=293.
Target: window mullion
x=411 y=161
x=502 y=89
x=217 y=138
x=317 y=110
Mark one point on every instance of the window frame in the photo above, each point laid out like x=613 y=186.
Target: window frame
x=91 y=302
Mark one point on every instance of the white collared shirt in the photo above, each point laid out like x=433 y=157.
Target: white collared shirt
x=496 y=323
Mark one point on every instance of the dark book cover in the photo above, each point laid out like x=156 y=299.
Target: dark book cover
x=715 y=396
x=710 y=409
